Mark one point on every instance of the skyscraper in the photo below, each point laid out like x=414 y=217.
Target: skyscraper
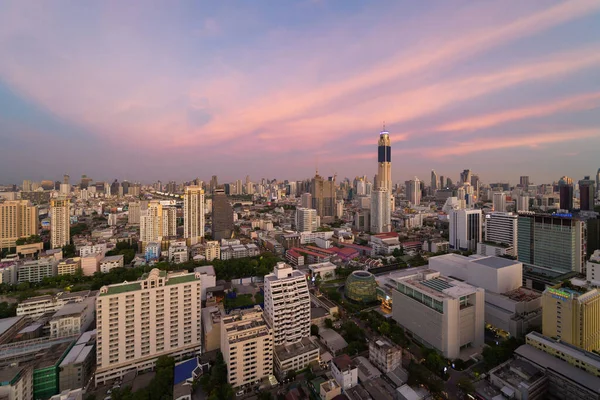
x=323 y=196
x=384 y=160
x=193 y=214
x=306 y=200
x=465 y=229
x=434 y=182
x=524 y=182
x=565 y=189
x=287 y=311
x=18 y=219
x=465 y=176
x=598 y=183
x=222 y=216
x=499 y=201
x=413 y=191
x=214 y=183
x=522 y=203
x=151 y=222
x=380 y=211
x=586 y=194
x=60 y=222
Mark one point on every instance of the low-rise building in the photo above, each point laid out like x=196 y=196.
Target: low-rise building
x=69 y=266
x=16 y=383
x=518 y=379
x=72 y=318
x=36 y=270
x=67 y=394
x=78 y=365
x=328 y=390
x=178 y=254
x=384 y=243
x=93 y=249
x=345 y=371
x=90 y=264
x=35 y=307
x=110 y=262
x=324 y=270
x=333 y=340
x=385 y=355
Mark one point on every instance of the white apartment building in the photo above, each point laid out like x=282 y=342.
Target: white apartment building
x=465 y=229
x=344 y=371
x=35 y=307
x=60 y=222
x=73 y=318
x=68 y=266
x=501 y=228
x=381 y=214
x=385 y=355
x=440 y=312
x=413 y=191
x=193 y=214
x=110 y=262
x=311 y=237
x=306 y=219
x=212 y=250
x=287 y=310
x=522 y=203
x=593 y=269
x=178 y=254
x=139 y=321
x=247 y=346
x=36 y=270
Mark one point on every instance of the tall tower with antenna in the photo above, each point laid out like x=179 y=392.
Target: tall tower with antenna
x=384 y=161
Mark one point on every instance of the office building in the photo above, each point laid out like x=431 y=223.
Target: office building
x=193 y=214
x=384 y=162
x=60 y=223
x=572 y=314
x=434 y=182
x=587 y=192
x=18 y=219
x=524 y=181
x=222 y=216
x=565 y=190
x=413 y=191
x=306 y=219
x=465 y=229
x=380 y=215
x=306 y=200
x=522 y=203
x=501 y=228
x=139 y=321
x=556 y=241
x=323 y=198
x=287 y=310
x=440 y=312
x=499 y=201
x=385 y=355
x=247 y=346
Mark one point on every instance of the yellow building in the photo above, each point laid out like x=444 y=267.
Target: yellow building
x=572 y=314
x=69 y=266
x=60 y=222
x=18 y=219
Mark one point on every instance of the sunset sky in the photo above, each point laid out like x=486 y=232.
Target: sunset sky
x=174 y=90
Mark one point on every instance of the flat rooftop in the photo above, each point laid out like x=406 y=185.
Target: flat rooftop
x=566 y=348
x=7 y=323
x=494 y=262
x=290 y=351
x=439 y=286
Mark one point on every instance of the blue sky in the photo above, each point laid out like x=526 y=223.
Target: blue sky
x=178 y=90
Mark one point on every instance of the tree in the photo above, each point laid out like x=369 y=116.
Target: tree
x=291 y=375
x=385 y=329
x=69 y=250
x=328 y=323
x=265 y=396
x=314 y=330
x=465 y=384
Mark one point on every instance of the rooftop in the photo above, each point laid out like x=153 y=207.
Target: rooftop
x=559 y=367
x=516 y=371
x=495 y=262
x=122 y=288
x=112 y=258
x=52 y=355
x=7 y=323
x=184 y=370
x=7 y=375
x=290 y=351
x=181 y=279
x=334 y=340
x=566 y=348
x=343 y=362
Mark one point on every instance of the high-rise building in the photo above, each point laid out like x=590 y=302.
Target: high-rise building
x=434 y=182
x=465 y=176
x=572 y=314
x=413 y=191
x=556 y=242
x=501 y=227
x=247 y=346
x=384 y=162
x=442 y=182
x=306 y=219
x=524 y=181
x=565 y=190
x=287 y=311
x=222 y=216
x=169 y=222
x=18 y=219
x=465 y=229
x=381 y=215
x=151 y=222
x=586 y=194
x=306 y=200
x=214 y=183
x=499 y=201
x=598 y=183
x=323 y=196
x=137 y=322
x=60 y=222
x=193 y=214
x=522 y=203
x=133 y=213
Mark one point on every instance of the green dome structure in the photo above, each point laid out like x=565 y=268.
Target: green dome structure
x=361 y=287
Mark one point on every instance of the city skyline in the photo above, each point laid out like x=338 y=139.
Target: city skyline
x=505 y=90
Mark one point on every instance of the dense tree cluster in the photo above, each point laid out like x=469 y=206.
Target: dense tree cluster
x=215 y=383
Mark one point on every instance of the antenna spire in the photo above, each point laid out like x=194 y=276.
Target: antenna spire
x=384 y=126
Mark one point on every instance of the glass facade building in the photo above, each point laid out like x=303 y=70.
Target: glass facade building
x=361 y=287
